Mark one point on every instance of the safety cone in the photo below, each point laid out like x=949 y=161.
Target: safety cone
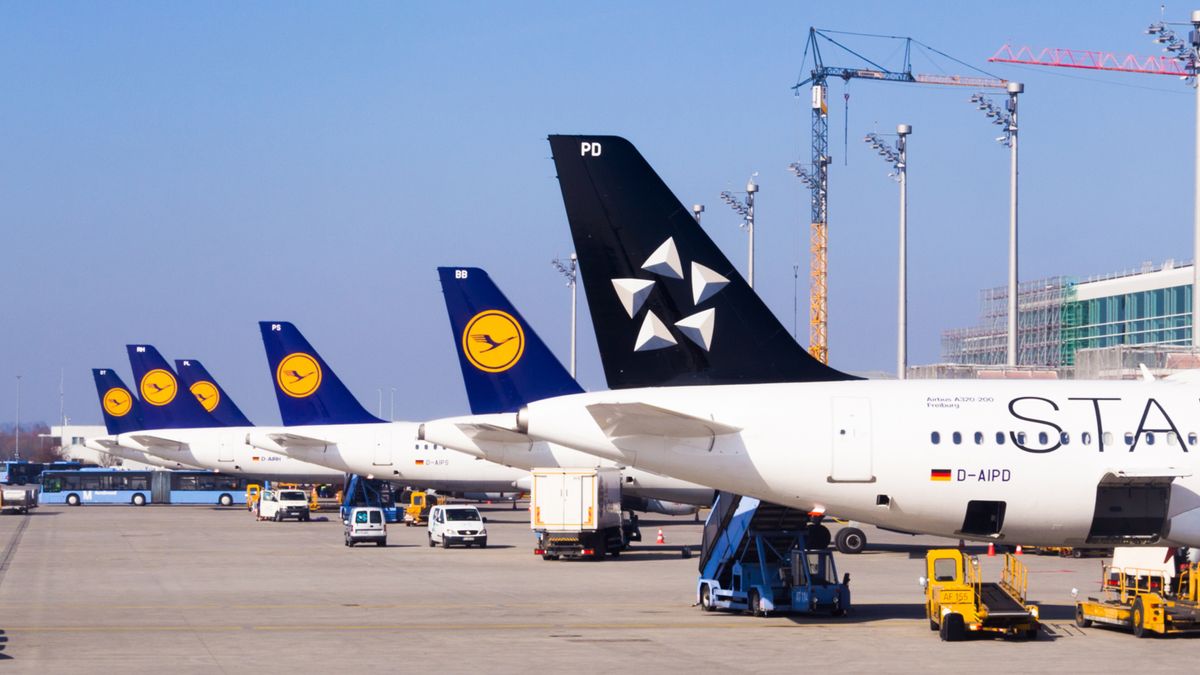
x=991 y=550
x=661 y=539
x=1019 y=552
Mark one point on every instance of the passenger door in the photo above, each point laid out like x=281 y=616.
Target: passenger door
x=851 y=443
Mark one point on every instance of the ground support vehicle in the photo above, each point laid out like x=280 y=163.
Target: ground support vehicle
x=457 y=524
x=1144 y=600
x=18 y=498
x=576 y=513
x=419 y=506
x=958 y=603
x=278 y=505
x=365 y=524
x=362 y=491
x=754 y=558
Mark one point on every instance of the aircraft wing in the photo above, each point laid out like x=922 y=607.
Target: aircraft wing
x=492 y=433
x=286 y=439
x=149 y=440
x=619 y=420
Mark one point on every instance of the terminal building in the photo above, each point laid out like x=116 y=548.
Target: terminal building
x=1099 y=328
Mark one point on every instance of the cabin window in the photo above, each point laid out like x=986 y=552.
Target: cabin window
x=1170 y=439
x=1108 y=438
x=999 y=438
x=945 y=569
x=1021 y=437
x=935 y=438
x=1086 y=438
x=1043 y=439
x=1128 y=438
x=1192 y=438
x=956 y=437
x=1064 y=438
x=978 y=438
x=1149 y=438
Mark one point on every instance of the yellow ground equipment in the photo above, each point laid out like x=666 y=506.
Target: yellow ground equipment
x=419 y=504
x=959 y=604
x=252 y=493
x=1144 y=601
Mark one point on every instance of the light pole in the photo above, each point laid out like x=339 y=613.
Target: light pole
x=570 y=270
x=17 y=439
x=897 y=156
x=392 y=407
x=1007 y=118
x=380 y=391
x=745 y=209
x=1189 y=53
x=697 y=209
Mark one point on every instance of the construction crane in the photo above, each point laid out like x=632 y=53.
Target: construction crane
x=1182 y=61
x=816 y=175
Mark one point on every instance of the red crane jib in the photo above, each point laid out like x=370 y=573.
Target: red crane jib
x=1090 y=60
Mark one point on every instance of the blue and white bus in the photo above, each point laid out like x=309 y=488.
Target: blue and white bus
x=24 y=472
x=115 y=486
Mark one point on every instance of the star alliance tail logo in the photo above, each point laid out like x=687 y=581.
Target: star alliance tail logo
x=298 y=375
x=493 y=341
x=654 y=333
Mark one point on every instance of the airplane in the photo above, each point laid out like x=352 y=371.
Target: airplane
x=707 y=386
x=482 y=322
x=324 y=424
x=176 y=425
x=122 y=413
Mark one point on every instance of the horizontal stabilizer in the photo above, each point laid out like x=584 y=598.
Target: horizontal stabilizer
x=298 y=440
x=491 y=433
x=149 y=440
x=619 y=420
x=1146 y=476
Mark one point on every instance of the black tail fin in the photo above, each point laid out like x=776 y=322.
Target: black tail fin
x=668 y=307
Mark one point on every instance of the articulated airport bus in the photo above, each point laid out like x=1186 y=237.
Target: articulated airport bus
x=22 y=472
x=115 y=486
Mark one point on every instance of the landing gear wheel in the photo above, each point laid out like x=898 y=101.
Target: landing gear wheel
x=225 y=500
x=1081 y=620
x=706 y=601
x=850 y=540
x=1137 y=618
x=953 y=629
x=818 y=537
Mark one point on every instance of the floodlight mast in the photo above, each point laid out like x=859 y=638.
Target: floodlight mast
x=897 y=157
x=745 y=209
x=570 y=270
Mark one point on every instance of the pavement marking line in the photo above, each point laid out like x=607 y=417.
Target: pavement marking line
x=474 y=627
x=11 y=548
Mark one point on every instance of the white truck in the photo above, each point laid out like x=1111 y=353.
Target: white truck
x=279 y=504
x=576 y=513
x=18 y=498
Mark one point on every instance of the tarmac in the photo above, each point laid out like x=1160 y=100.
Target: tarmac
x=200 y=589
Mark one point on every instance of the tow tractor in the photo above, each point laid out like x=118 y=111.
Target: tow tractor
x=959 y=603
x=1143 y=599
x=754 y=558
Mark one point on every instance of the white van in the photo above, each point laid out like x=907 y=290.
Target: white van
x=457 y=524
x=366 y=524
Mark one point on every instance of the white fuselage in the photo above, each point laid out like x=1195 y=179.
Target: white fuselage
x=391 y=451
x=528 y=455
x=867 y=450
x=225 y=449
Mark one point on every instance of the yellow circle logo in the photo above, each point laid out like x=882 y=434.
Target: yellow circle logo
x=207 y=393
x=298 y=375
x=493 y=341
x=158 y=387
x=118 y=401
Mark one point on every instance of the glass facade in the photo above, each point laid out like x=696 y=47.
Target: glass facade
x=1157 y=317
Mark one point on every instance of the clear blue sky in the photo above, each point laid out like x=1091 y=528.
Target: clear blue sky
x=173 y=173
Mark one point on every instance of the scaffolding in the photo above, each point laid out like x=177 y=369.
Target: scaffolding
x=1045 y=312
x=1124 y=362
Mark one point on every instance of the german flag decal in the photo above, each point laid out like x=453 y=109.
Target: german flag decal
x=939 y=474
x=420 y=462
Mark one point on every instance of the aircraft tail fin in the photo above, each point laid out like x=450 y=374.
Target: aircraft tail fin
x=505 y=364
x=163 y=406
x=121 y=409
x=308 y=390
x=667 y=305
x=210 y=393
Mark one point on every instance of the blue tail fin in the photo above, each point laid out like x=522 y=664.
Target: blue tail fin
x=308 y=390
x=122 y=411
x=211 y=395
x=504 y=363
x=162 y=405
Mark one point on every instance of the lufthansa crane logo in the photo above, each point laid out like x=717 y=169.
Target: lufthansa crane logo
x=158 y=387
x=118 y=401
x=298 y=375
x=207 y=393
x=493 y=341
